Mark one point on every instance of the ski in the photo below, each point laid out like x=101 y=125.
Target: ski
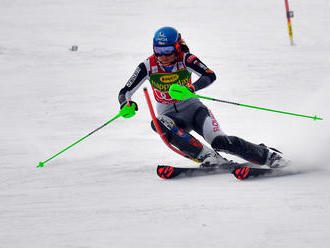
x=240 y=171
x=245 y=172
x=168 y=172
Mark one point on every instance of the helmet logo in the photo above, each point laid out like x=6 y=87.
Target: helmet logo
x=162 y=38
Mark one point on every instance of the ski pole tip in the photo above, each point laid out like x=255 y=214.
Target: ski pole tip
x=41 y=164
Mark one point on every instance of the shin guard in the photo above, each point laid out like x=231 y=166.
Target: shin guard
x=178 y=137
x=239 y=147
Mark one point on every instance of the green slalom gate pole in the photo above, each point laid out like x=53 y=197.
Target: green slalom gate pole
x=125 y=112
x=182 y=93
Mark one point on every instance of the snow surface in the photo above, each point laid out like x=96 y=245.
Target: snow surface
x=104 y=192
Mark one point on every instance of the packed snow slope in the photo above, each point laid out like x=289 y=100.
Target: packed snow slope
x=104 y=192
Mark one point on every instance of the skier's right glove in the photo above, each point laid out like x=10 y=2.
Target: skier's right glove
x=128 y=108
x=191 y=88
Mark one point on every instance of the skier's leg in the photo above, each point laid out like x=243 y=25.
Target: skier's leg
x=242 y=148
x=181 y=139
x=207 y=126
x=258 y=154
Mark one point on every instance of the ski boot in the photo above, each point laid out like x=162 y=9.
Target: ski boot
x=211 y=158
x=274 y=159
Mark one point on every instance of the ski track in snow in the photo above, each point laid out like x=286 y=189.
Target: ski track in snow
x=104 y=192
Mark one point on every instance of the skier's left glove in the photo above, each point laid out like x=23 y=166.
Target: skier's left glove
x=128 y=108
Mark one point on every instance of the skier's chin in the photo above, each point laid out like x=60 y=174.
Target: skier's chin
x=167 y=64
x=167 y=61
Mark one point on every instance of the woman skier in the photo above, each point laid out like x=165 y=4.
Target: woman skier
x=172 y=63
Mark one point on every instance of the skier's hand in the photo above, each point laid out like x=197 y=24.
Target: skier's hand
x=128 y=108
x=191 y=88
x=129 y=103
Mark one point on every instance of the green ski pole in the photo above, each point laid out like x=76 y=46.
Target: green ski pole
x=182 y=93
x=125 y=112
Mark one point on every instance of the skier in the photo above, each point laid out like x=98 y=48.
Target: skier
x=172 y=63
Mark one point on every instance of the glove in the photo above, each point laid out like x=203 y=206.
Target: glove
x=131 y=103
x=127 y=109
x=191 y=88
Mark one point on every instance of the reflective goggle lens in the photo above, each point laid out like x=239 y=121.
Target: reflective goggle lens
x=166 y=50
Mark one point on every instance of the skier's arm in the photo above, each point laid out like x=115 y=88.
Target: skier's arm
x=135 y=81
x=206 y=76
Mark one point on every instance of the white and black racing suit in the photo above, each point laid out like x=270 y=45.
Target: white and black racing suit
x=178 y=118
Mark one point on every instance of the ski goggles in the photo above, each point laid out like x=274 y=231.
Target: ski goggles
x=164 y=50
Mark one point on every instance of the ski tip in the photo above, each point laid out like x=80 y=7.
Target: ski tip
x=165 y=171
x=242 y=173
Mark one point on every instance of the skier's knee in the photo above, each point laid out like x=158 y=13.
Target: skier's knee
x=178 y=137
x=200 y=116
x=162 y=128
x=165 y=123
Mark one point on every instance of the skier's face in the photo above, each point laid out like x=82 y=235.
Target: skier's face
x=167 y=59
